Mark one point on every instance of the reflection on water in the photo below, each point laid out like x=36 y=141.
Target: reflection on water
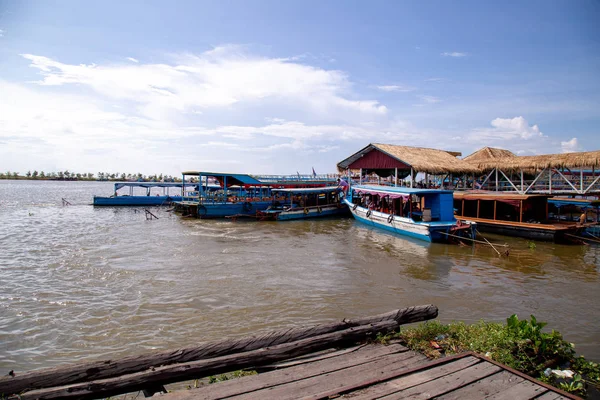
x=83 y=282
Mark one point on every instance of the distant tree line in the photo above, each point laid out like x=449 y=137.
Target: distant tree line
x=88 y=176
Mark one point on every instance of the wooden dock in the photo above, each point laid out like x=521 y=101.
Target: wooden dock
x=380 y=371
x=339 y=359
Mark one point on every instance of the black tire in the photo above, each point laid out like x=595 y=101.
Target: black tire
x=306 y=211
x=354 y=207
x=247 y=206
x=390 y=219
x=368 y=213
x=202 y=211
x=319 y=210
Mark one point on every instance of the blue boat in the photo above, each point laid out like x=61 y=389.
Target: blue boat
x=304 y=203
x=425 y=214
x=154 y=194
x=237 y=194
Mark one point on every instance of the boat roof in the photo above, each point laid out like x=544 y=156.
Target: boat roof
x=400 y=190
x=240 y=178
x=309 y=190
x=120 y=185
x=485 y=195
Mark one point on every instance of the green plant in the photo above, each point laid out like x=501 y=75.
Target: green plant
x=531 y=245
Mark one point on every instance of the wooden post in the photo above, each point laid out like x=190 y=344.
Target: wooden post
x=462 y=213
x=495 y=209
x=478 y=201
x=521 y=211
x=522 y=182
x=496 y=178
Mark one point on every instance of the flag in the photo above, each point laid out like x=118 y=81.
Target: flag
x=314 y=173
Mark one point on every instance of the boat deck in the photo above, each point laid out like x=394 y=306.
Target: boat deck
x=379 y=371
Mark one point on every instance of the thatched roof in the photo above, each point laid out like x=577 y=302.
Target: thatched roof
x=586 y=159
x=421 y=159
x=488 y=154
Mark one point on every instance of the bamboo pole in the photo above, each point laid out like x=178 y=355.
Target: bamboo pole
x=488 y=242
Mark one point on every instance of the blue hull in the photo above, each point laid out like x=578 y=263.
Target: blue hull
x=135 y=200
x=392 y=229
x=220 y=210
x=287 y=216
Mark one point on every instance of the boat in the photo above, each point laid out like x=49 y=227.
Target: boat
x=154 y=194
x=303 y=203
x=514 y=215
x=424 y=214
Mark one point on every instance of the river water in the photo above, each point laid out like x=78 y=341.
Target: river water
x=78 y=282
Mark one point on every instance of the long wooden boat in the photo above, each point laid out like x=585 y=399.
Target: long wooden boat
x=238 y=194
x=514 y=215
x=424 y=214
x=156 y=194
x=304 y=203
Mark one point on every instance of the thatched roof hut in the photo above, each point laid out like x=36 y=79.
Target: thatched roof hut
x=488 y=154
x=379 y=157
x=586 y=159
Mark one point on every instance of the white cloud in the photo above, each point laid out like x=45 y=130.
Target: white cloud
x=395 y=88
x=453 y=54
x=135 y=60
x=570 y=146
x=218 y=78
x=1 y=33
x=435 y=80
x=430 y=99
x=517 y=126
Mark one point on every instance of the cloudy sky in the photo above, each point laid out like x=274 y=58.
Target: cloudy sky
x=284 y=86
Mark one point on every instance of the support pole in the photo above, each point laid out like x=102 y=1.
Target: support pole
x=521 y=211
x=478 y=201
x=581 y=179
x=360 y=177
x=411 y=178
x=396 y=177
x=550 y=180
x=496 y=179
x=522 y=181
x=462 y=212
x=495 y=209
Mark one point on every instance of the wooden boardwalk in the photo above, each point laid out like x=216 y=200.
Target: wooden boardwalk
x=380 y=371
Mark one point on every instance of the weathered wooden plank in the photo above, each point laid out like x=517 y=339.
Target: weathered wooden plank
x=523 y=390
x=484 y=387
x=447 y=383
x=87 y=371
x=550 y=395
x=279 y=377
x=329 y=382
x=247 y=384
x=409 y=380
x=196 y=369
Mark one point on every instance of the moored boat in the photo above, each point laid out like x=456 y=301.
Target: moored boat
x=303 y=203
x=154 y=194
x=514 y=215
x=424 y=214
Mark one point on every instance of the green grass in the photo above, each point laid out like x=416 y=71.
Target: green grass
x=520 y=344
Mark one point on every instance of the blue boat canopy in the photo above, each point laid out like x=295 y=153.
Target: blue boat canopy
x=120 y=185
x=398 y=191
x=308 y=190
x=232 y=179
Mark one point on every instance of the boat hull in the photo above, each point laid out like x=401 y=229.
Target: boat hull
x=312 y=212
x=429 y=232
x=542 y=232
x=220 y=210
x=135 y=200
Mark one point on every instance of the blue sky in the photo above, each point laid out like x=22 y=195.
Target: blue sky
x=282 y=86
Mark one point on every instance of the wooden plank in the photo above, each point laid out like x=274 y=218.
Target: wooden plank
x=332 y=380
x=523 y=390
x=413 y=379
x=485 y=387
x=88 y=371
x=549 y=395
x=196 y=369
x=447 y=383
x=278 y=377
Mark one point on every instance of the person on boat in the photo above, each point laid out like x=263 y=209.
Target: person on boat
x=342 y=184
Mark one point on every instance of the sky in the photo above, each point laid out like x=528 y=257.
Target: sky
x=279 y=87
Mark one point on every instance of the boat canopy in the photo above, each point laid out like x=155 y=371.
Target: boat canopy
x=561 y=202
x=494 y=196
x=147 y=185
x=396 y=192
x=232 y=179
x=308 y=190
